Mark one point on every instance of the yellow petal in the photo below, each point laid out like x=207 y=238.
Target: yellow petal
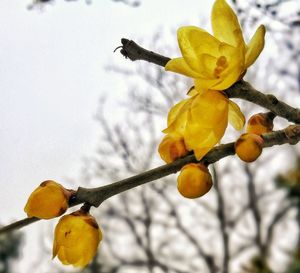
x=208 y=109
x=62 y=256
x=47 y=201
x=208 y=63
x=76 y=238
x=192 y=91
x=194 y=42
x=255 y=46
x=203 y=84
x=235 y=116
x=177 y=117
x=54 y=249
x=73 y=255
x=176 y=110
x=194 y=180
x=206 y=122
x=236 y=67
x=172 y=147
x=179 y=65
x=202 y=140
x=225 y=24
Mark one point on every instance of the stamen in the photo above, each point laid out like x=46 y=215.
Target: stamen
x=222 y=61
x=221 y=64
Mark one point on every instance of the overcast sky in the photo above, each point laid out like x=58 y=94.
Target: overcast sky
x=52 y=74
x=51 y=77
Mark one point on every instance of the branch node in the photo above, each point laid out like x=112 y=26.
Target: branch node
x=292 y=133
x=272 y=99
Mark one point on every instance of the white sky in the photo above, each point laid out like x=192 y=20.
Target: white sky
x=51 y=77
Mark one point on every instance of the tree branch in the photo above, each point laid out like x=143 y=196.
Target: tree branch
x=241 y=89
x=96 y=196
x=134 y=52
x=221 y=213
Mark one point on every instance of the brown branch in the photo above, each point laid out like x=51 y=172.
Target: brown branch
x=242 y=90
x=221 y=213
x=253 y=205
x=276 y=219
x=134 y=52
x=96 y=196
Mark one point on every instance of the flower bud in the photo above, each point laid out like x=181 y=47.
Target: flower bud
x=260 y=123
x=249 y=147
x=47 y=201
x=76 y=238
x=194 y=180
x=172 y=147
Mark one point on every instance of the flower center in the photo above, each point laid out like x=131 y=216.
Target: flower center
x=221 y=64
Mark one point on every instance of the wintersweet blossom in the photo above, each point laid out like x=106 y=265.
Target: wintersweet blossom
x=260 y=123
x=194 y=180
x=249 y=147
x=47 y=201
x=216 y=61
x=76 y=238
x=172 y=147
x=202 y=120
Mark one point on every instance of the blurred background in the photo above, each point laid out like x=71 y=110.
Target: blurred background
x=73 y=111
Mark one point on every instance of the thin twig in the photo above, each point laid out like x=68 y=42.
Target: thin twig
x=253 y=205
x=134 y=52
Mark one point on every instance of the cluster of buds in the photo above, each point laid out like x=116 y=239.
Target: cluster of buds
x=249 y=146
x=77 y=235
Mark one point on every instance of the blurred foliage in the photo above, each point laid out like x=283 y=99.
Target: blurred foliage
x=257 y=265
x=291 y=181
x=9 y=250
x=295 y=265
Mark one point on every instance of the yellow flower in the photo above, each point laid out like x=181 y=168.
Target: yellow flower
x=172 y=147
x=249 y=147
x=76 y=239
x=202 y=119
x=194 y=180
x=260 y=123
x=47 y=201
x=216 y=62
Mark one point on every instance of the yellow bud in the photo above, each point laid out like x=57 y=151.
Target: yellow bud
x=172 y=147
x=76 y=238
x=47 y=201
x=260 y=123
x=249 y=147
x=194 y=180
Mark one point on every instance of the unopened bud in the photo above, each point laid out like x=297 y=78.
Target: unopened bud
x=76 y=238
x=260 y=123
x=249 y=147
x=194 y=180
x=47 y=201
x=172 y=147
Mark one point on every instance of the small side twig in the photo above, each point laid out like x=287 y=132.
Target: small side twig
x=242 y=89
x=134 y=52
